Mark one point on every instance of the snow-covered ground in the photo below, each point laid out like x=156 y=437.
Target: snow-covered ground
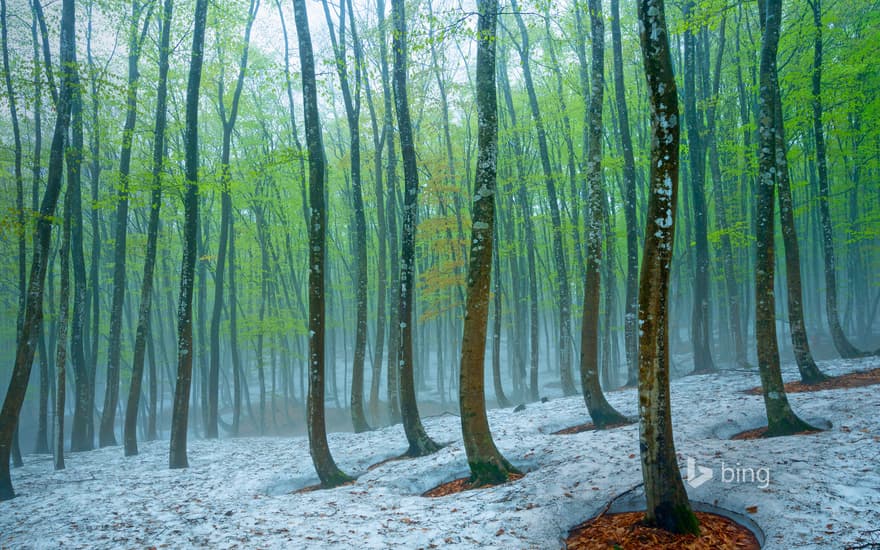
x=814 y=491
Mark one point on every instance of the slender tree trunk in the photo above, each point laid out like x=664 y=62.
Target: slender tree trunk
x=61 y=343
x=33 y=316
x=107 y=436
x=844 y=347
x=522 y=198
x=562 y=288
x=381 y=257
x=328 y=472
x=359 y=233
x=701 y=325
x=393 y=386
x=500 y=397
x=631 y=331
x=180 y=412
x=487 y=465
x=780 y=417
x=810 y=373
x=143 y=325
x=419 y=442
x=668 y=506
x=82 y=436
x=602 y=413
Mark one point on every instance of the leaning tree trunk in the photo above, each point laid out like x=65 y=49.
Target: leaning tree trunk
x=602 y=413
x=328 y=472
x=33 y=316
x=810 y=373
x=781 y=420
x=180 y=412
x=488 y=466
x=668 y=506
x=143 y=326
x=419 y=442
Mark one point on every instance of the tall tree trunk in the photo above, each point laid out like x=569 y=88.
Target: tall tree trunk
x=602 y=413
x=393 y=385
x=33 y=316
x=500 y=397
x=562 y=288
x=107 y=436
x=19 y=181
x=61 y=342
x=143 y=325
x=701 y=325
x=780 y=417
x=668 y=506
x=522 y=197
x=328 y=472
x=42 y=435
x=844 y=347
x=359 y=233
x=228 y=121
x=419 y=442
x=631 y=332
x=381 y=257
x=488 y=466
x=810 y=373
x=180 y=412
x=82 y=437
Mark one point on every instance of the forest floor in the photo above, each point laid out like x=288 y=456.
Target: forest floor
x=809 y=491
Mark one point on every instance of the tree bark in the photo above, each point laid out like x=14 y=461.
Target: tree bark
x=781 y=419
x=631 y=332
x=844 y=347
x=328 y=472
x=602 y=413
x=143 y=325
x=562 y=288
x=33 y=316
x=107 y=436
x=419 y=442
x=180 y=412
x=488 y=466
x=701 y=325
x=668 y=506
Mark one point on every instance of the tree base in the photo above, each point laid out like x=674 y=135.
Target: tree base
x=490 y=472
x=336 y=479
x=422 y=446
x=677 y=518
x=789 y=425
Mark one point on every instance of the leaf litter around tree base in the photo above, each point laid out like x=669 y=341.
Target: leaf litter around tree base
x=626 y=531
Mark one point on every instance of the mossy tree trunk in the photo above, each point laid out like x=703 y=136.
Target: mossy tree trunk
x=328 y=472
x=781 y=419
x=419 y=442
x=668 y=506
x=592 y=91
x=180 y=412
x=33 y=313
x=485 y=461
